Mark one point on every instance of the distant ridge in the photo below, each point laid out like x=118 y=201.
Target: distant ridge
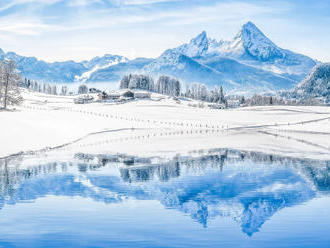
x=250 y=63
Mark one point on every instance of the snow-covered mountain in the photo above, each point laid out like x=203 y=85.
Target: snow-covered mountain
x=250 y=46
x=316 y=84
x=186 y=69
x=217 y=70
x=63 y=72
x=115 y=72
x=99 y=63
x=250 y=62
x=36 y=69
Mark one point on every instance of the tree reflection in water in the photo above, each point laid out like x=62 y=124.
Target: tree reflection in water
x=247 y=186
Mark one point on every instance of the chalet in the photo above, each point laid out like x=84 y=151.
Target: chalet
x=103 y=95
x=114 y=96
x=142 y=94
x=123 y=95
x=83 y=99
x=128 y=94
x=94 y=90
x=233 y=103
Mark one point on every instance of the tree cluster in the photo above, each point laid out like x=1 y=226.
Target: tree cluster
x=168 y=86
x=164 y=85
x=135 y=81
x=262 y=100
x=51 y=89
x=199 y=91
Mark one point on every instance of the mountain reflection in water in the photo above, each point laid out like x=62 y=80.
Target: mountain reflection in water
x=246 y=186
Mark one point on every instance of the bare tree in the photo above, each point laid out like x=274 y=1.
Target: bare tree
x=136 y=81
x=168 y=86
x=10 y=80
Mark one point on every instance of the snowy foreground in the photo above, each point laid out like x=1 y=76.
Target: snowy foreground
x=161 y=125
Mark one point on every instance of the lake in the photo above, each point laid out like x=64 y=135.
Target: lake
x=208 y=198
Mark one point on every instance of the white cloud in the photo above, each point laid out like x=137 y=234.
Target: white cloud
x=76 y=3
x=129 y=29
x=21 y=26
x=143 y=2
x=12 y=3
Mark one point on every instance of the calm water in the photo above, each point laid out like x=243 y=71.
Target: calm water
x=217 y=198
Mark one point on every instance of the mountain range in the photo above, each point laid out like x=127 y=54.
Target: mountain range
x=250 y=62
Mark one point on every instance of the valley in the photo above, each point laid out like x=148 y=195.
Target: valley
x=46 y=122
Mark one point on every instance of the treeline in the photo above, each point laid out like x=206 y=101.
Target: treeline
x=164 y=85
x=170 y=86
x=264 y=100
x=199 y=91
x=51 y=89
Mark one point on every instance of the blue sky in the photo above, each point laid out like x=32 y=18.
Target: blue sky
x=57 y=30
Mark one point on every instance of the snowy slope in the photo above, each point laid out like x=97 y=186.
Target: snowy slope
x=217 y=70
x=186 y=69
x=115 y=72
x=316 y=84
x=47 y=121
x=99 y=63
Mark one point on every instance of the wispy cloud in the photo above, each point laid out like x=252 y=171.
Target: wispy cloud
x=16 y=25
x=109 y=18
x=144 y=2
x=12 y=3
x=77 y=3
x=136 y=24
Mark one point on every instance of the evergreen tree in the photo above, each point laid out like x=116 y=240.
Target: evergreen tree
x=242 y=101
x=221 y=95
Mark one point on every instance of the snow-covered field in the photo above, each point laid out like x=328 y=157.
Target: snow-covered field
x=162 y=125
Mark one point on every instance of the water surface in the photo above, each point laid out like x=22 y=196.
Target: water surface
x=215 y=198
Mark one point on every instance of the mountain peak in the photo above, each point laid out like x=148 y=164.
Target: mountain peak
x=256 y=44
x=200 y=38
x=250 y=26
x=197 y=46
x=249 y=31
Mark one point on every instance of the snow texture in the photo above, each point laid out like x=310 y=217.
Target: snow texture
x=162 y=124
x=316 y=84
